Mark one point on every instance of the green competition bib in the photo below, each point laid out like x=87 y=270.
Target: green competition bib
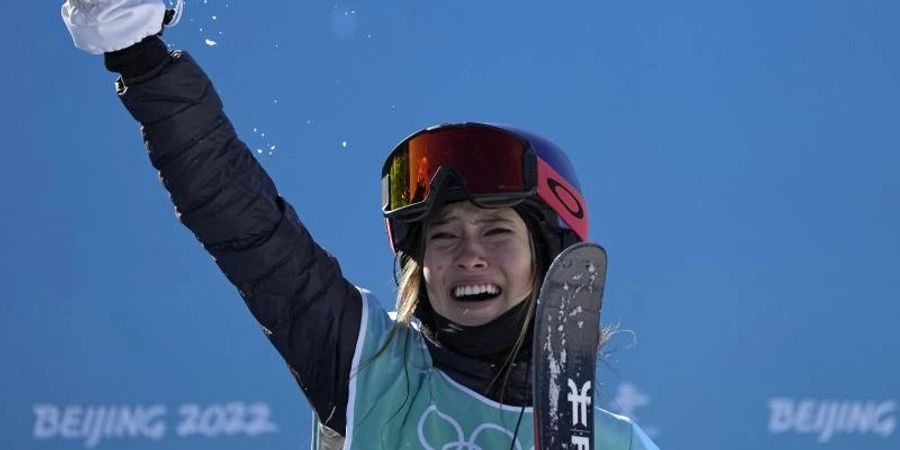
x=398 y=400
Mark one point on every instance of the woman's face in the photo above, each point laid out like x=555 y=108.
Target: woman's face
x=477 y=262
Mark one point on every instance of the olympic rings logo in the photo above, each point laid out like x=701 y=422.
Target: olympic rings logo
x=461 y=442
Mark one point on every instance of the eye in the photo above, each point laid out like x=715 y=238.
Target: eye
x=498 y=231
x=440 y=235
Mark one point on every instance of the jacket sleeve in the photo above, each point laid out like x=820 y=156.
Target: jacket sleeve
x=295 y=289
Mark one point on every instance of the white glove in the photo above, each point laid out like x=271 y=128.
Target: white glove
x=99 y=26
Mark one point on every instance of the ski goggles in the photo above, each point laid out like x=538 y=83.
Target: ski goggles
x=488 y=165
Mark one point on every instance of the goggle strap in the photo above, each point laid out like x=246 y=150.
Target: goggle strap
x=564 y=198
x=390 y=233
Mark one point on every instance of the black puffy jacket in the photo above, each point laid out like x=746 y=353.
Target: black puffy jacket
x=293 y=287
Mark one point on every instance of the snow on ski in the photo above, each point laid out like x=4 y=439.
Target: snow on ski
x=567 y=331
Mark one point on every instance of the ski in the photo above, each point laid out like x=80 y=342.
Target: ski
x=566 y=334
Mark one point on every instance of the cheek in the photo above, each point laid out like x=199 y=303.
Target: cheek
x=433 y=271
x=432 y=268
x=526 y=260
x=428 y=274
x=523 y=269
x=517 y=260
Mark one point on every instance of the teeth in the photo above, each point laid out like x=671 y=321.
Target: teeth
x=464 y=291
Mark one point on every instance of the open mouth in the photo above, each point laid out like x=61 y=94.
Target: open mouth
x=476 y=292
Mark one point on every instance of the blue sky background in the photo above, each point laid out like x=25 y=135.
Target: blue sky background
x=740 y=158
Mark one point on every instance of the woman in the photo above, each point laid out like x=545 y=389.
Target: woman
x=473 y=234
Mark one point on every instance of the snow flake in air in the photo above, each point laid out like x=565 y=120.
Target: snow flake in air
x=344 y=22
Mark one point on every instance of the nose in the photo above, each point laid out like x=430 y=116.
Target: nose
x=471 y=255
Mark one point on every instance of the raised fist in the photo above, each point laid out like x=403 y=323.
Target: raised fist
x=99 y=26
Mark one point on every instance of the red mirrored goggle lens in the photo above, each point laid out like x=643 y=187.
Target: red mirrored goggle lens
x=486 y=160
